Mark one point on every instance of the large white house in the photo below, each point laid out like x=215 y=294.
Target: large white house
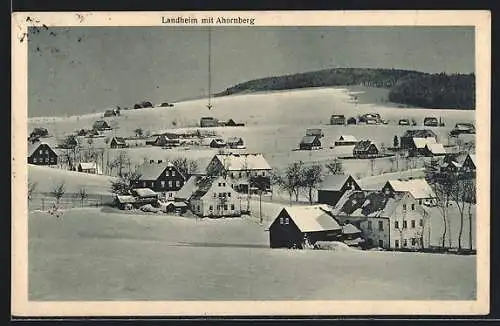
x=240 y=168
x=214 y=197
x=389 y=221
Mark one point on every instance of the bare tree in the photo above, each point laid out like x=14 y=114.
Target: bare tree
x=185 y=166
x=334 y=166
x=261 y=183
x=138 y=132
x=311 y=177
x=58 y=191
x=471 y=189
x=284 y=183
x=125 y=184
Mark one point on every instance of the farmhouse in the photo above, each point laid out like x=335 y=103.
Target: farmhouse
x=241 y=169
x=388 y=221
x=160 y=177
x=214 y=197
x=208 y=122
x=88 y=167
x=310 y=143
x=302 y=226
x=175 y=207
x=111 y=113
x=407 y=141
x=346 y=140
x=431 y=122
x=334 y=186
x=101 y=125
x=118 y=142
x=235 y=142
x=135 y=142
x=218 y=143
x=463 y=128
x=404 y=122
x=337 y=119
x=370 y=118
x=40 y=153
x=124 y=201
x=418 y=188
x=351 y=121
x=365 y=149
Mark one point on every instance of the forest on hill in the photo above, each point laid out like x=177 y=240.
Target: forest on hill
x=441 y=91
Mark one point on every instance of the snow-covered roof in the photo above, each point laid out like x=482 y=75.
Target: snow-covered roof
x=312 y=219
x=188 y=189
x=126 y=199
x=241 y=162
x=418 y=188
x=347 y=138
x=473 y=158
x=333 y=182
x=88 y=165
x=308 y=139
x=421 y=142
x=151 y=171
x=436 y=149
x=366 y=203
x=144 y=192
x=350 y=229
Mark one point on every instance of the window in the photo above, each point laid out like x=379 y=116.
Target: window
x=177 y=183
x=287 y=221
x=404 y=225
x=381 y=243
x=225 y=207
x=46 y=160
x=144 y=184
x=211 y=208
x=232 y=207
x=405 y=243
x=173 y=173
x=240 y=174
x=404 y=207
x=220 y=194
x=229 y=194
x=369 y=225
x=281 y=220
x=152 y=184
x=41 y=152
x=421 y=222
x=215 y=195
x=198 y=208
x=34 y=160
x=46 y=152
x=396 y=243
x=420 y=201
x=170 y=184
x=263 y=173
x=380 y=225
x=232 y=174
x=412 y=207
x=412 y=224
x=52 y=160
x=169 y=194
x=223 y=184
x=396 y=224
x=219 y=184
x=163 y=184
x=413 y=241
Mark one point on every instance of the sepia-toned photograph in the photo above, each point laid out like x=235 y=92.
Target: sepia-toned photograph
x=204 y=158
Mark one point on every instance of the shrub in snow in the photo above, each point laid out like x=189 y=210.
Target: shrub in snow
x=332 y=245
x=149 y=208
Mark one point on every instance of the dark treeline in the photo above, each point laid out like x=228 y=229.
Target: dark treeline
x=409 y=87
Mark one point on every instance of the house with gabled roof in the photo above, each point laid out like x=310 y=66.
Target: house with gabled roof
x=89 y=167
x=214 y=197
x=365 y=149
x=188 y=189
x=40 y=153
x=101 y=125
x=346 y=140
x=310 y=143
x=235 y=142
x=334 y=186
x=418 y=188
x=407 y=140
x=389 y=221
x=301 y=226
x=431 y=150
x=118 y=142
x=240 y=169
x=337 y=119
x=162 y=177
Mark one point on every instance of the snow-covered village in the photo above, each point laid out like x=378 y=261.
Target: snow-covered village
x=321 y=182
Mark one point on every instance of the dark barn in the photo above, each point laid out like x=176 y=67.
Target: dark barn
x=310 y=142
x=337 y=119
x=41 y=154
x=300 y=226
x=334 y=186
x=365 y=149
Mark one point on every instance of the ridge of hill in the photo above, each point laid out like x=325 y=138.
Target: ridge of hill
x=409 y=87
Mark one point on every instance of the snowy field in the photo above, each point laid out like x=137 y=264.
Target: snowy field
x=275 y=123
x=90 y=255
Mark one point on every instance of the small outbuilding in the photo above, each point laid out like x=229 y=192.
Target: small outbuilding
x=310 y=143
x=118 y=142
x=365 y=149
x=334 y=186
x=337 y=119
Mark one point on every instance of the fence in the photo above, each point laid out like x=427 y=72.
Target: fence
x=44 y=202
